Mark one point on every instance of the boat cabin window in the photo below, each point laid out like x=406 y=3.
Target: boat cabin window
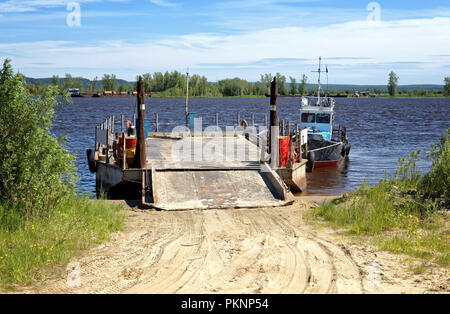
x=323 y=118
x=308 y=118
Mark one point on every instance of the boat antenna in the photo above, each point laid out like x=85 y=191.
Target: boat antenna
x=319 y=88
x=327 y=79
x=187 y=95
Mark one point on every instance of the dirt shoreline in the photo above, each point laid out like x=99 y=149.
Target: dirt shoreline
x=265 y=250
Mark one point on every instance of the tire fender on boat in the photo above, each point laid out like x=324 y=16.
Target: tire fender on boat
x=344 y=150
x=347 y=149
x=311 y=156
x=91 y=161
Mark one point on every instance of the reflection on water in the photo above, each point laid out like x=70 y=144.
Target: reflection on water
x=380 y=130
x=332 y=180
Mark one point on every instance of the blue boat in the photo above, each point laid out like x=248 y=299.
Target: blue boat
x=327 y=146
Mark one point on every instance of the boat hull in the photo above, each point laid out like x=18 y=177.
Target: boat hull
x=323 y=153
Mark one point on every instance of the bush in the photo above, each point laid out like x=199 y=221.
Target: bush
x=436 y=183
x=42 y=220
x=36 y=171
x=402 y=212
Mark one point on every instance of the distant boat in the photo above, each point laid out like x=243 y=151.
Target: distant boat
x=74 y=92
x=340 y=95
x=364 y=94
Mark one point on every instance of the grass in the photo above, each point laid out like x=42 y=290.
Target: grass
x=405 y=214
x=395 y=222
x=31 y=245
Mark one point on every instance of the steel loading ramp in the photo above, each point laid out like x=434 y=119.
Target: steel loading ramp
x=170 y=185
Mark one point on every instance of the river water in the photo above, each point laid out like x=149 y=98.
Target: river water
x=380 y=130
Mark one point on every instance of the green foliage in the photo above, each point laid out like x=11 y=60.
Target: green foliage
x=42 y=221
x=407 y=175
x=36 y=171
x=78 y=83
x=407 y=206
x=447 y=86
x=436 y=183
x=282 y=89
x=68 y=82
x=393 y=84
x=303 y=83
x=55 y=80
x=29 y=245
x=174 y=85
x=109 y=82
x=92 y=87
x=234 y=87
x=294 y=90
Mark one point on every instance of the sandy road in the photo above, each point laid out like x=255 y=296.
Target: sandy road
x=267 y=250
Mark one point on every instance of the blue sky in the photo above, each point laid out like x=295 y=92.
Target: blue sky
x=230 y=38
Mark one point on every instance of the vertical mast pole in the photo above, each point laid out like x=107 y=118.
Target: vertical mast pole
x=141 y=157
x=320 y=88
x=320 y=64
x=187 y=97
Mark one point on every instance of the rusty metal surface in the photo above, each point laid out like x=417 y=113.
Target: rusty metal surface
x=215 y=153
x=217 y=178
x=182 y=190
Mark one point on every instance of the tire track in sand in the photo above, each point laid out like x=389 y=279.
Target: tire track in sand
x=333 y=268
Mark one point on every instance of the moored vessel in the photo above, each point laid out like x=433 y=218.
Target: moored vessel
x=327 y=146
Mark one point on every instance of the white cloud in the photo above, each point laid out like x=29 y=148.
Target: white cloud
x=163 y=3
x=19 y=6
x=358 y=53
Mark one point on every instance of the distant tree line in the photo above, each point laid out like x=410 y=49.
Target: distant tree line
x=173 y=84
x=394 y=91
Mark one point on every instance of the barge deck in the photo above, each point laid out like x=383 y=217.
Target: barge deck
x=171 y=183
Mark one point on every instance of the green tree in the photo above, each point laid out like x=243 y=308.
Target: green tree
x=234 y=87
x=266 y=79
x=436 y=183
x=281 y=79
x=393 y=84
x=78 y=83
x=36 y=171
x=55 y=80
x=447 y=86
x=294 y=89
x=109 y=82
x=68 y=82
x=92 y=87
x=173 y=84
x=304 y=80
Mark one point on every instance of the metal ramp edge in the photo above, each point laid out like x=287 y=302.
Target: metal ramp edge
x=181 y=189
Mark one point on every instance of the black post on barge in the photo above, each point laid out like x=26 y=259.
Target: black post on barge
x=274 y=125
x=141 y=157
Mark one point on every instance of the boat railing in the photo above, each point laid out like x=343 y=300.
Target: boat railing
x=326 y=147
x=338 y=134
x=315 y=101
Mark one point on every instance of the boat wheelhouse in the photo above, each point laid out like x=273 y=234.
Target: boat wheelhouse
x=317 y=116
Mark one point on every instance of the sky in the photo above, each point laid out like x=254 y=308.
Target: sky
x=359 y=41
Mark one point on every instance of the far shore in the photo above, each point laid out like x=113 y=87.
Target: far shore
x=258 y=96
